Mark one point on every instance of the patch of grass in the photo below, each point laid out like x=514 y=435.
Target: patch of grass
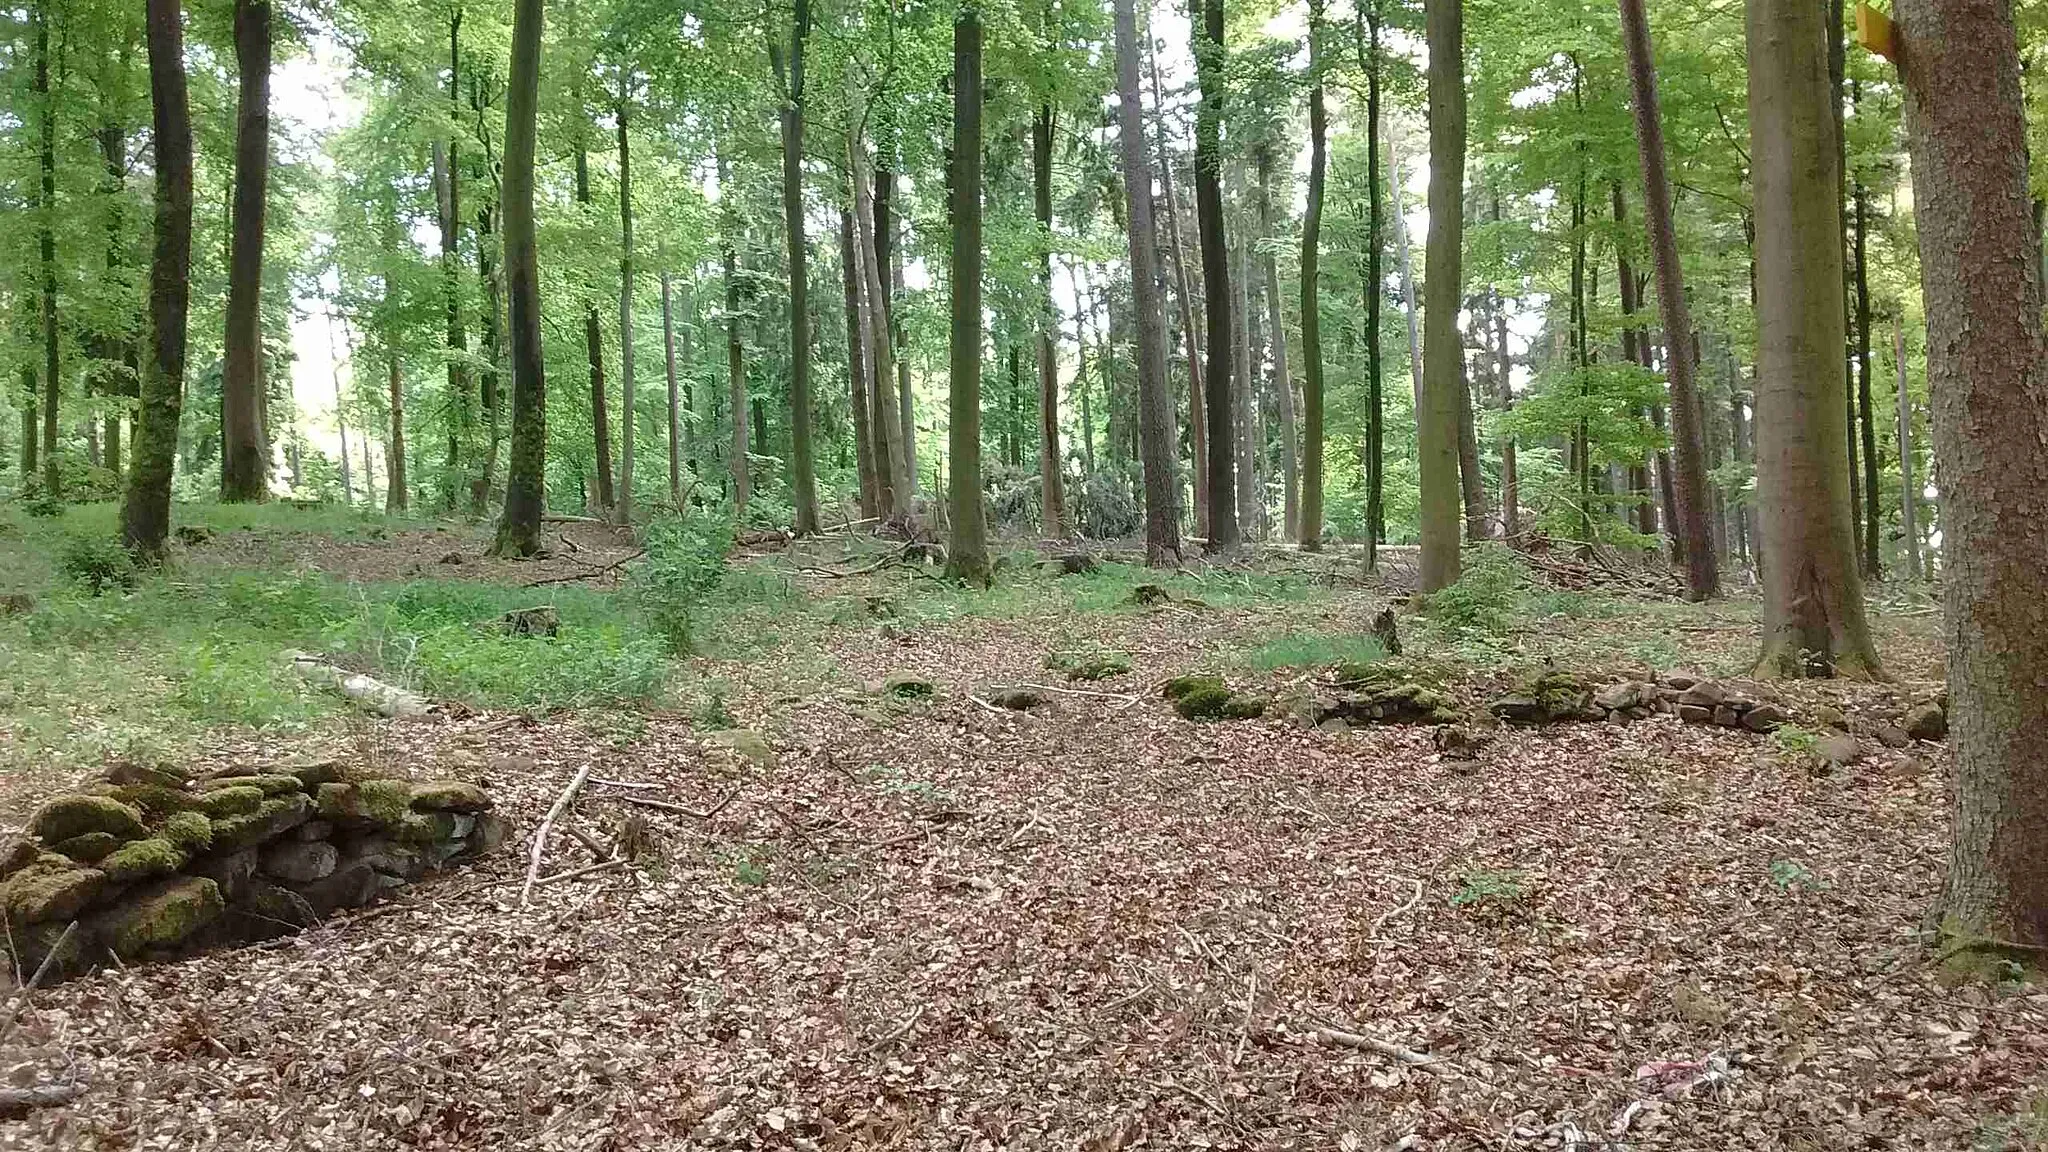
x=1795 y=741
x=1088 y=662
x=1483 y=599
x=1789 y=874
x=1485 y=886
x=1315 y=650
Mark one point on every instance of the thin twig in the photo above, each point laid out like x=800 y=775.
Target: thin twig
x=14 y=1005
x=547 y=824
x=644 y=787
x=899 y=1031
x=587 y=869
x=670 y=806
x=1391 y=913
x=1406 y=1056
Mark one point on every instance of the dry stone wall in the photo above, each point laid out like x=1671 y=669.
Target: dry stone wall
x=152 y=865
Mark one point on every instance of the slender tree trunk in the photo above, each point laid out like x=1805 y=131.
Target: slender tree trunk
x=1813 y=598
x=804 y=477
x=675 y=407
x=1443 y=354
x=245 y=457
x=593 y=353
x=487 y=478
x=1871 y=497
x=857 y=364
x=1469 y=481
x=1375 y=280
x=525 y=477
x=1308 y=528
x=1053 y=517
x=1744 y=453
x=1702 y=578
x=1283 y=384
x=735 y=349
x=1987 y=375
x=146 y=512
x=110 y=342
x=893 y=482
x=1510 y=477
x=1211 y=63
x=967 y=537
x=395 y=489
x=334 y=358
x=1251 y=504
x=46 y=235
x=448 y=188
x=1909 y=525
x=1406 y=266
x=1190 y=334
x=1156 y=434
x=629 y=409
x=1635 y=348
x=906 y=409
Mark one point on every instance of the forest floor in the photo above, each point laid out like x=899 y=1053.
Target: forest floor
x=932 y=923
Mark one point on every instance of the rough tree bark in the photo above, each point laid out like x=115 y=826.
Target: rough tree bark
x=1283 y=383
x=1053 y=500
x=245 y=459
x=857 y=362
x=1190 y=333
x=146 y=512
x=628 y=410
x=803 y=478
x=893 y=484
x=1813 y=598
x=1702 y=578
x=525 y=481
x=1443 y=353
x=1156 y=435
x=593 y=349
x=1308 y=524
x=1987 y=375
x=1210 y=65
x=967 y=537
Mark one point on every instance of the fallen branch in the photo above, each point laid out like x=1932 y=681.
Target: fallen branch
x=552 y=519
x=1406 y=1056
x=547 y=825
x=899 y=1031
x=368 y=692
x=1124 y=696
x=16 y=1101
x=636 y=784
x=863 y=570
x=671 y=806
x=593 y=573
x=1391 y=913
x=587 y=869
x=14 y=1004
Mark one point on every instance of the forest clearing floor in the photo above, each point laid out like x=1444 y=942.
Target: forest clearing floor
x=927 y=922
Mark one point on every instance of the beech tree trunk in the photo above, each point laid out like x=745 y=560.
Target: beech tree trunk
x=1190 y=334
x=1443 y=353
x=1872 y=501
x=245 y=458
x=1987 y=376
x=46 y=235
x=967 y=536
x=1702 y=578
x=448 y=204
x=675 y=406
x=1412 y=311
x=1251 y=504
x=1510 y=478
x=735 y=347
x=804 y=478
x=486 y=480
x=1469 y=482
x=1375 y=400
x=628 y=408
x=1156 y=435
x=593 y=353
x=146 y=511
x=1283 y=384
x=525 y=476
x=893 y=485
x=1210 y=64
x=857 y=362
x=396 y=492
x=1053 y=498
x=1909 y=525
x=1308 y=525
x=1813 y=597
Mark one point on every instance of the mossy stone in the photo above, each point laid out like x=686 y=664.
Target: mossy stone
x=88 y=848
x=143 y=860
x=265 y=911
x=233 y=801
x=159 y=775
x=1243 y=706
x=449 y=796
x=20 y=854
x=1203 y=702
x=191 y=831
x=66 y=816
x=162 y=915
x=1181 y=687
x=385 y=803
x=909 y=686
x=153 y=799
x=52 y=888
x=747 y=743
x=311 y=776
x=234 y=833
x=269 y=785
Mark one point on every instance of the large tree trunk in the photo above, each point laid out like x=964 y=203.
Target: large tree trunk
x=1702 y=578
x=1283 y=384
x=1156 y=435
x=1987 y=376
x=1443 y=354
x=593 y=353
x=1210 y=66
x=629 y=419
x=803 y=472
x=857 y=361
x=1375 y=399
x=1308 y=526
x=448 y=204
x=967 y=535
x=1813 y=598
x=525 y=479
x=1190 y=334
x=1909 y=525
x=146 y=513
x=46 y=235
x=245 y=458
x=1053 y=517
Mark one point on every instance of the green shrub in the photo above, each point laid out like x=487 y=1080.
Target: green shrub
x=96 y=563
x=1317 y=650
x=685 y=564
x=1482 y=600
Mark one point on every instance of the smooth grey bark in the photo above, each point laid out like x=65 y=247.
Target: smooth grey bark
x=967 y=538
x=1443 y=351
x=1155 y=400
x=525 y=480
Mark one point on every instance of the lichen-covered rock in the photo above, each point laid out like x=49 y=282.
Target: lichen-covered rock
x=235 y=800
x=1838 y=748
x=160 y=916
x=51 y=888
x=269 y=785
x=385 y=854
x=35 y=942
x=1926 y=721
x=152 y=800
x=1892 y=736
x=191 y=831
x=20 y=854
x=143 y=860
x=449 y=796
x=299 y=862
x=426 y=827
x=1549 y=698
x=89 y=848
x=747 y=743
x=230 y=872
x=127 y=772
x=1703 y=694
x=311 y=776
x=489 y=835
x=348 y=886
x=1764 y=717
x=314 y=830
x=1183 y=685
x=249 y=829
x=383 y=803
x=64 y=817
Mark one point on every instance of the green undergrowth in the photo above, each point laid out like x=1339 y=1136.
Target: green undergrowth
x=1315 y=650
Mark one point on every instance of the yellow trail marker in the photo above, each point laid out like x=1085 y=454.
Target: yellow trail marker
x=1875 y=33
